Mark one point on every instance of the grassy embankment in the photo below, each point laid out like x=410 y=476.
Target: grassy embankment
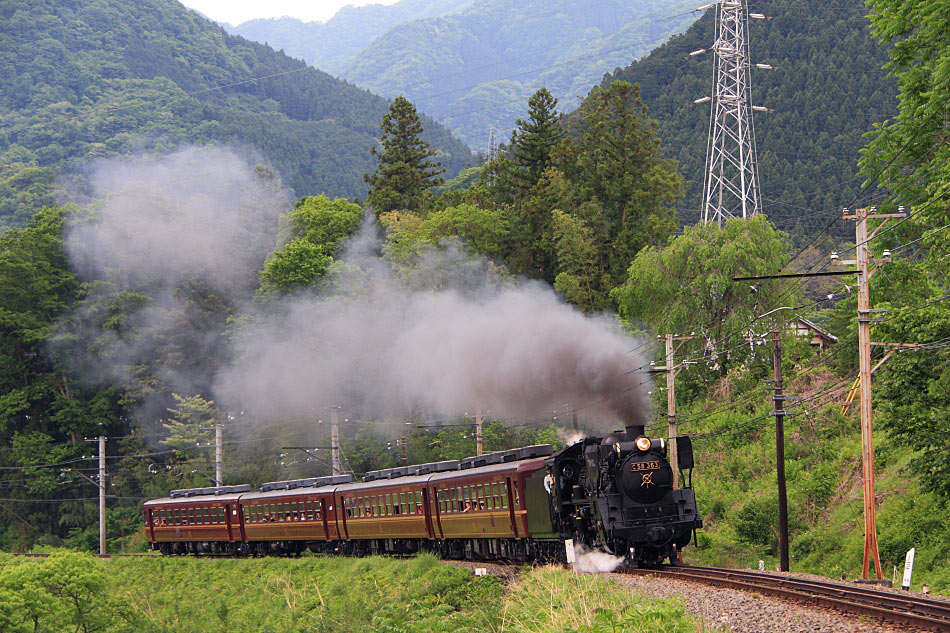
x=314 y=594
x=737 y=493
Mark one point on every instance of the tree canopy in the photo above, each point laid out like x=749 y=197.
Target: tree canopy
x=404 y=173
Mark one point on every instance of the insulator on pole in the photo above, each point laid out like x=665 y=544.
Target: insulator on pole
x=760 y=16
x=702 y=100
x=766 y=66
x=762 y=109
x=706 y=6
x=699 y=52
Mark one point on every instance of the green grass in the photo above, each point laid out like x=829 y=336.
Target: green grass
x=314 y=594
x=737 y=494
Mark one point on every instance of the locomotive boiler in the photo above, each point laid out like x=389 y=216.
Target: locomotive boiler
x=617 y=493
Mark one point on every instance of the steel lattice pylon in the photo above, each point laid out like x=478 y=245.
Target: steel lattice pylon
x=731 y=187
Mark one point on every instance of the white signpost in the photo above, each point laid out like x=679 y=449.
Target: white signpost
x=569 y=550
x=908 y=568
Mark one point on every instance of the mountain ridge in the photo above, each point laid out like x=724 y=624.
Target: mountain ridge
x=113 y=77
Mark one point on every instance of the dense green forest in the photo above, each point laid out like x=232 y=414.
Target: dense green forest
x=829 y=89
x=474 y=68
x=236 y=306
x=92 y=80
x=332 y=46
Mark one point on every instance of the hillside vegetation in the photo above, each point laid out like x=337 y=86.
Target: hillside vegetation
x=332 y=46
x=474 y=68
x=829 y=90
x=312 y=595
x=92 y=80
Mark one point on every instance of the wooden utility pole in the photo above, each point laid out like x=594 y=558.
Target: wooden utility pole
x=861 y=239
x=671 y=372
x=335 y=467
x=102 y=495
x=405 y=451
x=778 y=398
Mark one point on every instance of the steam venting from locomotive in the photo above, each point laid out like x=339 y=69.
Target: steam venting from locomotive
x=443 y=337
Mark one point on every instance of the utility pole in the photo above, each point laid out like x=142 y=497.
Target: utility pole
x=405 y=450
x=778 y=397
x=219 y=453
x=102 y=495
x=335 y=441
x=865 y=314
x=671 y=372
x=478 y=431
x=731 y=180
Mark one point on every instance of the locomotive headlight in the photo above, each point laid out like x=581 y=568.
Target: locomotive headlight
x=643 y=443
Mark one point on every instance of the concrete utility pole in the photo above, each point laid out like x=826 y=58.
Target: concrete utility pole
x=731 y=180
x=861 y=239
x=219 y=453
x=335 y=467
x=778 y=398
x=478 y=431
x=671 y=372
x=102 y=495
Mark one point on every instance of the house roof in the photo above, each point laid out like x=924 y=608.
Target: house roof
x=818 y=330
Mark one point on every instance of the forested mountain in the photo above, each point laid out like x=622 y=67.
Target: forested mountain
x=828 y=91
x=332 y=46
x=475 y=69
x=92 y=79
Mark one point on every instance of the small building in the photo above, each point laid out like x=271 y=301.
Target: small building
x=818 y=337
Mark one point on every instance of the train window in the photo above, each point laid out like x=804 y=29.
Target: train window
x=402 y=503
x=517 y=500
x=389 y=509
x=504 y=495
x=480 y=493
x=207 y=515
x=317 y=506
x=418 y=502
x=247 y=514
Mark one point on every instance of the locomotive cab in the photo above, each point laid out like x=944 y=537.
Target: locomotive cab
x=618 y=493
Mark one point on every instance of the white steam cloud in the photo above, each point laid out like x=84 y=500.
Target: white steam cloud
x=445 y=336
x=447 y=339
x=200 y=213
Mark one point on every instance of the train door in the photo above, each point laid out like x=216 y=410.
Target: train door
x=150 y=524
x=436 y=513
x=511 y=507
x=329 y=528
x=229 y=521
x=341 y=512
x=430 y=531
x=239 y=513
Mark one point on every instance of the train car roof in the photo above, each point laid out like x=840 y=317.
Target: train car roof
x=448 y=475
x=197 y=499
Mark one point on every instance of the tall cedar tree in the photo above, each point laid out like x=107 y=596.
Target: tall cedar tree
x=404 y=172
x=534 y=140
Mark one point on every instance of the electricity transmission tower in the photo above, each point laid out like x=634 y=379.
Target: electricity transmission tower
x=731 y=178
x=493 y=146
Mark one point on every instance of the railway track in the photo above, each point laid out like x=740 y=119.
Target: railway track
x=29 y=555
x=906 y=610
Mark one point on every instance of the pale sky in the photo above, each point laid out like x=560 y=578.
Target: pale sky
x=237 y=11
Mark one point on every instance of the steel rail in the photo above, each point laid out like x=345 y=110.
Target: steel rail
x=907 y=610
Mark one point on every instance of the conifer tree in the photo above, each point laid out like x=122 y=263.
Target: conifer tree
x=534 y=140
x=404 y=172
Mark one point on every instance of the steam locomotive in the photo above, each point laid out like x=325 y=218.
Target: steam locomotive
x=614 y=493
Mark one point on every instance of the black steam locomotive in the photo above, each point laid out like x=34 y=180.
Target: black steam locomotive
x=616 y=493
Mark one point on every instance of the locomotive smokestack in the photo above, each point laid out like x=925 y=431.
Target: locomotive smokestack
x=635 y=430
